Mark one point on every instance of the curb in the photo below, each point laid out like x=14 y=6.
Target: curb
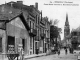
x=38 y=56
x=35 y=56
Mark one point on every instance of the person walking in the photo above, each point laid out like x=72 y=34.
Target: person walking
x=69 y=50
x=58 y=51
x=66 y=51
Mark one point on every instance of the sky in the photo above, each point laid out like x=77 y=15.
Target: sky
x=57 y=11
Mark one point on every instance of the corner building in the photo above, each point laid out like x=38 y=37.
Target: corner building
x=37 y=38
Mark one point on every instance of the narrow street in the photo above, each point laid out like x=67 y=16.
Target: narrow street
x=62 y=56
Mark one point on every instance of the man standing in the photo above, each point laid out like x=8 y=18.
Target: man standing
x=66 y=51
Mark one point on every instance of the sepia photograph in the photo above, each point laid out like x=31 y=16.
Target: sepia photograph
x=40 y=30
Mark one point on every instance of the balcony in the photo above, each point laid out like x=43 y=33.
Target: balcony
x=42 y=35
x=37 y=38
x=33 y=32
x=47 y=40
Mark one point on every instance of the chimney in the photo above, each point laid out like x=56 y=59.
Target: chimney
x=36 y=5
x=20 y=2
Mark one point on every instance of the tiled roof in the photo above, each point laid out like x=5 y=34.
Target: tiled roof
x=11 y=16
x=20 y=6
x=8 y=16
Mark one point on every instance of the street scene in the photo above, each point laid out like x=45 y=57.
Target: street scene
x=62 y=56
x=39 y=30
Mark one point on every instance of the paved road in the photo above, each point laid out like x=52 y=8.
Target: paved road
x=62 y=56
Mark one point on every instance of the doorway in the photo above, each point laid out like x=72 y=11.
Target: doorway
x=11 y=41
x=23 y=43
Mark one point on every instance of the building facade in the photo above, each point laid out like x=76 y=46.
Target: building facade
x=34 y=41
x=75 y=38
x=15 y=33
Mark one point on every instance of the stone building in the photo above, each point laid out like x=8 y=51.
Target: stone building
x=15 y=33
x=47 y=34
x=66 y=30
x=75 y=38
x=33 y=17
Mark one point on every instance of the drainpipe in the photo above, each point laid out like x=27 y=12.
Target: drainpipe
x=6 y=35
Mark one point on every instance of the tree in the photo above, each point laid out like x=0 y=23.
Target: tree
x=54 y=30
x=54 y=22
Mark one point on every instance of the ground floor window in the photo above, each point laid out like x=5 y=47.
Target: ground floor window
x=23 y=42
x=11 y=43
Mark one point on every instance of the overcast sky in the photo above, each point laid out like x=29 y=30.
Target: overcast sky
x=57 y=11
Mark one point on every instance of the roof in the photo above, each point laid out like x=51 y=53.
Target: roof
x=8 y=16
x=24 y=21
x=11 y=16
x=76 y=30
x=20 y=6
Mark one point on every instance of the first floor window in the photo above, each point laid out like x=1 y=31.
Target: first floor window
x=23 y=42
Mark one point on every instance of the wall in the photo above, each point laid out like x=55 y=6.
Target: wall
x=17 y=29
x=3 y=36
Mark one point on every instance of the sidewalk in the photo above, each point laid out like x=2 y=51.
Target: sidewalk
x=27 y=56
x=34 y=55
x=37 y=55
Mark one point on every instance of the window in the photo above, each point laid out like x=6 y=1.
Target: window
x=23 y=42
x=30 y=24
x=11 y=42
x=36 y=18
x=33 y=25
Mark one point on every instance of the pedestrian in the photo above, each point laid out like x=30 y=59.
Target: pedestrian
x=37 y=51
x=69 y=50
x=66 y=51
x=72 y=50
x=47 y=52
x=58 y=51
